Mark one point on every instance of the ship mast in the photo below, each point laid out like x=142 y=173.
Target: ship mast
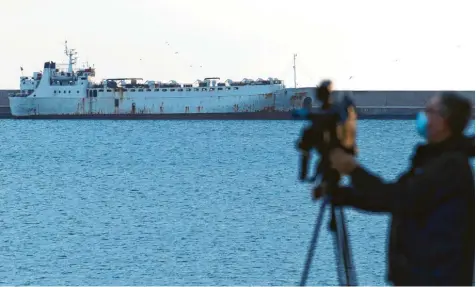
x=71 y=59
x=294 y=67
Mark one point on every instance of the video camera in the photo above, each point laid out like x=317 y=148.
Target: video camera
x=333 y=125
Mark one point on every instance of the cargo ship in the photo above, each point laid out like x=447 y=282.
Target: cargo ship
x=74 y=93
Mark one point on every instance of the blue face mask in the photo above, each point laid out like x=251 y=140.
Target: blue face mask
x=422 y=124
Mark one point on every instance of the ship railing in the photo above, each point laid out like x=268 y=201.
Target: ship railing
x=390 y=107
x=16 y=95
x=19 y=94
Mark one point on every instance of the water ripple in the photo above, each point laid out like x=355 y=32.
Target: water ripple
x=175 y=203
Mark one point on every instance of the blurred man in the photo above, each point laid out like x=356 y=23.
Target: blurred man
x=432 y=205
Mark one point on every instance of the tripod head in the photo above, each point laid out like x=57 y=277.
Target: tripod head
x=333 y=125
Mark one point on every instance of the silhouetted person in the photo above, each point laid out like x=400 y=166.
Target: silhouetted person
x=432 y=205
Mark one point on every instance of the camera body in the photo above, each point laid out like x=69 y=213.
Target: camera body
x=332 y=126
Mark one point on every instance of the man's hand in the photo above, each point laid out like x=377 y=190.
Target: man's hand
x=343 y=162
x=319 y=191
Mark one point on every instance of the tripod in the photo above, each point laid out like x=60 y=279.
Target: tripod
x=339 y=230
x=332 y=127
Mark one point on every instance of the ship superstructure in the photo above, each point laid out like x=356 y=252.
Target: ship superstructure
x=71 y=91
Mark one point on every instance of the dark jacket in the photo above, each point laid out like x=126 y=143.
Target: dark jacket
x=432 y=205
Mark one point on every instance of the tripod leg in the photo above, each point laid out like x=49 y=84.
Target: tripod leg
x=333 y=223
x=343 y=253
x=338 y=249
x=312 y=246
x=348 y=264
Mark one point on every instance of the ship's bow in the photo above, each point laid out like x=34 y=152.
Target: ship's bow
x=22 y=106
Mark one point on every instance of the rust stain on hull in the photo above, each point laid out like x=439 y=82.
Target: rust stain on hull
x=268 y=109
x=264 y=115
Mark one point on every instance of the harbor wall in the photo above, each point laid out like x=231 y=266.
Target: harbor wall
x=414 y=99
x=4 y=97
x=4 y=108
x=399 y=98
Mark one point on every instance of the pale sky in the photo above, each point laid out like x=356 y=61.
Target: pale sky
x=409 y=44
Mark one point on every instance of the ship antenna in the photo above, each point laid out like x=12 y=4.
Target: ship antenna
x=70 y=53
x=294 y=67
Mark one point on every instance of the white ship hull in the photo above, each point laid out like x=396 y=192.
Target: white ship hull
x=153 y=103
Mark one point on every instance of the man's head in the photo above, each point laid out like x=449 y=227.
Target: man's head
x=447 y=115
